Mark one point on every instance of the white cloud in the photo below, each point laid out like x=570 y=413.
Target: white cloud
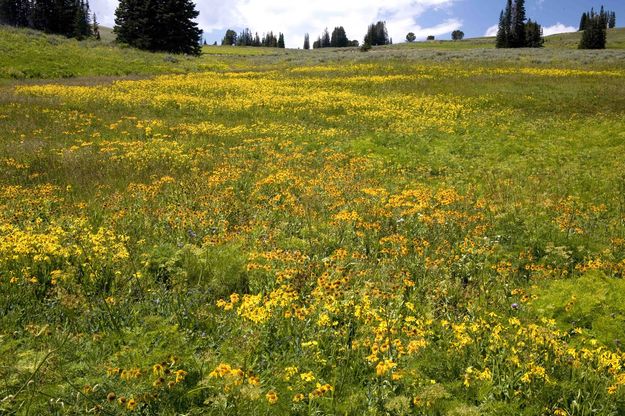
x=491 y=31
x=558 y=28
x=296 y=17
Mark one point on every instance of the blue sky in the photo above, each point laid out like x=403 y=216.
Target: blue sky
x=423 y=17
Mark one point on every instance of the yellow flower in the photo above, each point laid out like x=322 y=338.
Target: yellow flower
x=272 y=397
x=131 y=405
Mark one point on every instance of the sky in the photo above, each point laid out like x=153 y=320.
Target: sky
x=438 y=18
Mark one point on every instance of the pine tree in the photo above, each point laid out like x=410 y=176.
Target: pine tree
x=281 y=41
x=517 y=32
x=595 y=36
x=534 y=35
x=325 y=39
x=583 y=22
x=159 y=25
x=612 y=20
x=339 y=38
x=82 y=26
x=502 y=32
x=306 y=41
x=377 y=34
x=96 y=28
x=230 y=38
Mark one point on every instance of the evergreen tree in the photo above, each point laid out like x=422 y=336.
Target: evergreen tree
x=411 y=37
x=377 y=34
x=159 y=25
x=594 y=36
x=534 y=35
x=230 y=38
x=583 y=22
x=281 y=41
x=325 y=39
x=245 y=38
x=457 y=35
x=502 y=32
x=82 y=25
x=517 y=32
x=96 y=28
x=306 y=41
x=339 y=38
x=612 y=20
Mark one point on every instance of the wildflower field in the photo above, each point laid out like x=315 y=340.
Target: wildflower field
x=373 y=234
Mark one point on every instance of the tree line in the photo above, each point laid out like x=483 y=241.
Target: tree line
x=71 y=18
x=245 y=38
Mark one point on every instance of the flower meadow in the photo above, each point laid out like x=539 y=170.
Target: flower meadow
x=381 y=237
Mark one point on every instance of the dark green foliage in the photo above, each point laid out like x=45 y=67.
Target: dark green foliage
x=431 y=37
x=306 y=41
x=281 y=41
x=608 y=18
x=323 y=41
x=230 y=38
x=70 y=18
x=377 y=34
x=595 y=35
x=502 y=31
x=583 y=21
x=158 y=25
x=612 y=20
x=411 y=37
x=513 y=31
x=339 y=38
x=533 y=35
x=457 y=35
x=269 y=40
x=82 y=23
x=517 y=32
x=15 y=12
x=245 y=38
x=95 y=28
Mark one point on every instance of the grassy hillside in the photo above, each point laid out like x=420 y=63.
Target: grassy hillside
x=30 y=54
x=616 y=40
x=403 y=231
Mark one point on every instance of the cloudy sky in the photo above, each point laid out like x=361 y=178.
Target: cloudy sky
x=423 y=17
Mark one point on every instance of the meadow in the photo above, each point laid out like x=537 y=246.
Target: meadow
x=411 y=230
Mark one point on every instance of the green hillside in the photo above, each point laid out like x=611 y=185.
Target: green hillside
x=616 y=40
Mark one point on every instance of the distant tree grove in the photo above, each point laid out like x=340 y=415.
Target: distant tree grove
x=607 y=19
x=246 y=38
x=514 y=31
x=71 y=18
x=594 y=27
x=377 y=34
x=338 y=39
